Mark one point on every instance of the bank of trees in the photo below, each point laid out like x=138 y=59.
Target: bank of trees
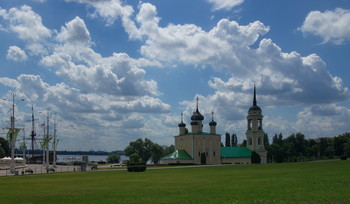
x=145 y=150
x=296 y=148
x=4 y=148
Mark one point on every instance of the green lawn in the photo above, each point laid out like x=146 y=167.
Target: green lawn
x=314 y=182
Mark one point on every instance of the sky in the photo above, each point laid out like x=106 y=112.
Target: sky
x=112 y=71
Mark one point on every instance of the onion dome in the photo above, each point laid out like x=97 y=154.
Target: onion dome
x=182 y=124
x=212 y=123
x=197 y=115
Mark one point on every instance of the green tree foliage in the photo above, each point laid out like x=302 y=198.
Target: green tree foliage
x=134 y=158
x=244 y=143
x=147 y=149
x=4 y=145
x=156 y=153
x=234 y=140
x=142 y=148
x=296 y=148
x=2 y=152
x=168 y=149
x=113 y=158
x=227 y=140
x=266 y=140
x=255 y=159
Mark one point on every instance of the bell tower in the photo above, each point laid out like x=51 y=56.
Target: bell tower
x=255 y=133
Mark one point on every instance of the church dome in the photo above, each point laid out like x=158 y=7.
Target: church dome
x=212 y=123
x=254 y=108
x=197 y=116
x=182 y=124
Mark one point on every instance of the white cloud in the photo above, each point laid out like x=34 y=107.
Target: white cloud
x=75 y=32
x=225 y=4
x=110 y=10
x=16 y=54
x=332 y=26
x=28 y=26
x=224 y=47
x=323 y=120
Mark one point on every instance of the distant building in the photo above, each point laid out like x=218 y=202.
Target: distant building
x=202 y=147
x=255 y=133
x=198 y=147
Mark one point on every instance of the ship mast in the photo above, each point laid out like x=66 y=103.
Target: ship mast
x=33 y=134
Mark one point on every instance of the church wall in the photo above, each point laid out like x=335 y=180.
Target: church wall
x=184 y=142
x=232 y=160
x=209 y=145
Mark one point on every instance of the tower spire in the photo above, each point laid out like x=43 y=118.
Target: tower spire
x=254 y=100
x=197 y=99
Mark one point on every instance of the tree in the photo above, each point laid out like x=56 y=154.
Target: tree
x=146 y=149
x=266 y=140
x=244 y=143
x=168 y=150
x=113 y=158
x=227 y=140
x=134 y=158
x=234 y=140
x=330 y=152
x=255 y=159
x=2 y=152
x=4 y=144
x=156 y=153
x=338 y=143
x=142 y=148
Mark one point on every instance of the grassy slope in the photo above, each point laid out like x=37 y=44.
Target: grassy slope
x=317 y=182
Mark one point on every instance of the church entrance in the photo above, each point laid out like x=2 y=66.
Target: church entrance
x=203 y=158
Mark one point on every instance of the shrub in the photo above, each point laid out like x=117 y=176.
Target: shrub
x=113 y=158
x=344 y=157
x=136 y=167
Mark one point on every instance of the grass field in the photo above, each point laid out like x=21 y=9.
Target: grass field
x=314 y=182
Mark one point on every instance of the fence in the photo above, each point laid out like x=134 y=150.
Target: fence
x=40 y=169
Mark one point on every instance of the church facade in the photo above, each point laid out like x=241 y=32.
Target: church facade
x=203 y=147
x=198 y=147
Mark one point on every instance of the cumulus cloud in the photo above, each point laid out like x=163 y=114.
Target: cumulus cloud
x=16 y=54
x=323 y=120
x=110 y=10
x=28 y=26
x=189 y=44
x=285 y=78
x=225 y=4
x=332 y=26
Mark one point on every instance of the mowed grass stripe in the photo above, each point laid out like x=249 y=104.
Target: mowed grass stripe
x=314 y=182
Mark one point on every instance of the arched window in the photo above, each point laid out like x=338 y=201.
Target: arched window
x=250 y=141
x=259 y=124
x=250 y=124
x=259 y=141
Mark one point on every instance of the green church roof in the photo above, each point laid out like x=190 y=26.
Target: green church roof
x=235 y=152
x=178 y=154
